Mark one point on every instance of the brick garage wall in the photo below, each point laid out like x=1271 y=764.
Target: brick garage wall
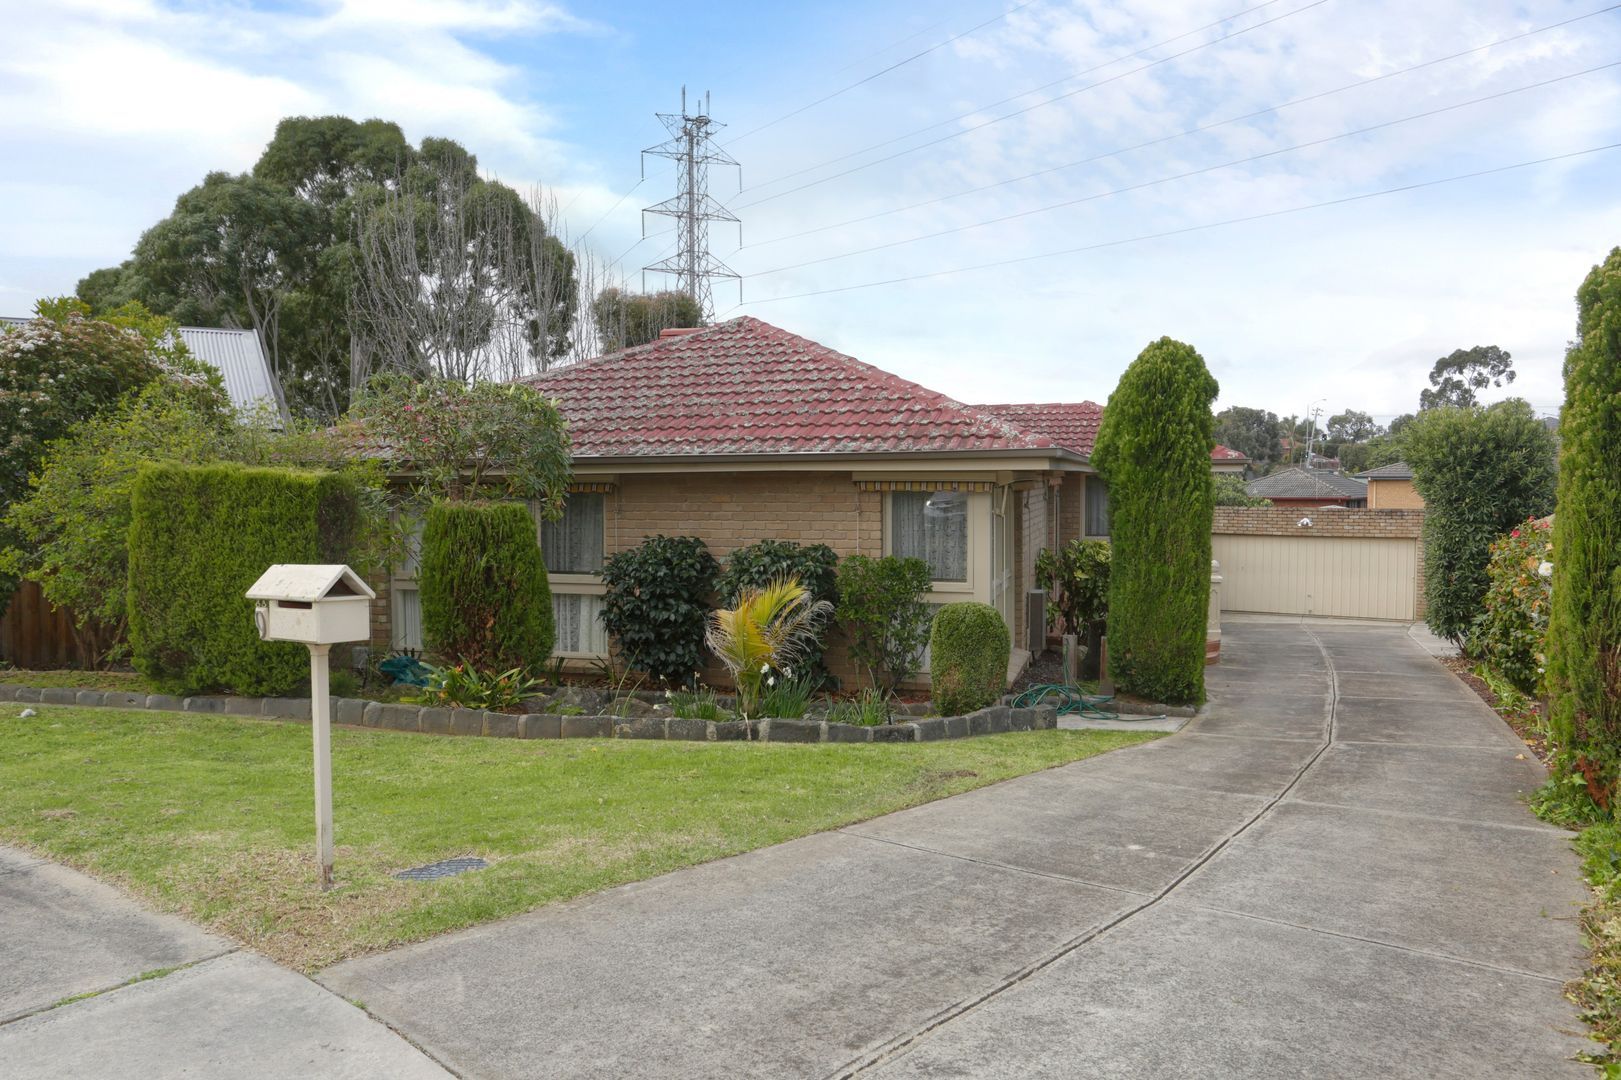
x=1327 y=521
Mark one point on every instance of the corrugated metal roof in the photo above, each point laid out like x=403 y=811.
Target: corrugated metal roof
x=236 y=355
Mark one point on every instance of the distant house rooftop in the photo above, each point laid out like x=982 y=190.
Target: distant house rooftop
x=1398 y=470
x=1298 y=483
x=235 y=354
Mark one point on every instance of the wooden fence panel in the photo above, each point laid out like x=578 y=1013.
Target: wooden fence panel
x=37 y=636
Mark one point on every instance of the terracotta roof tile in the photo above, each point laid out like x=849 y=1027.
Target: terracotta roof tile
x=747 y=387
x=1072 y=425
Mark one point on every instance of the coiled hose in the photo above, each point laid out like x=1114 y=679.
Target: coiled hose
x=1070 y=701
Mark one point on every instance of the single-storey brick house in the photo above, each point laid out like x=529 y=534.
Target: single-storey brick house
x=743 y=431
x=1390 y=487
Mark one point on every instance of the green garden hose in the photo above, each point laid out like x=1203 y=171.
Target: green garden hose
x=1070 y=701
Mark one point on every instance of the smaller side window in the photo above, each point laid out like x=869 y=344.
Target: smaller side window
x=1097 y=507
x=573 y=543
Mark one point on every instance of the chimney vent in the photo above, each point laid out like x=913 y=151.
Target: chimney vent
x=678 y=331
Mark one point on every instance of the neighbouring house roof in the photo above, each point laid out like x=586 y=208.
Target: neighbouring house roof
x=1222 y=453
x=1399 y=470
x=745 y=387
x=235 y=354
x=1298 y=483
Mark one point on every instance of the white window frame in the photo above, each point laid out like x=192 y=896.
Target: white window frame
x=404 y=579
x=564 y=584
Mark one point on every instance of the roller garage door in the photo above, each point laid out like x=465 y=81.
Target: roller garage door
x=1350 y=577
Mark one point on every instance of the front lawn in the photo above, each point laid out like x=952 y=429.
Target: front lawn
x=212 y=817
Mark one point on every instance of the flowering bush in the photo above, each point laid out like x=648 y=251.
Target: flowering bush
x=1511 y=634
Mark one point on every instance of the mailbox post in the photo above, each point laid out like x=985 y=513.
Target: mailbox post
x=318 y=605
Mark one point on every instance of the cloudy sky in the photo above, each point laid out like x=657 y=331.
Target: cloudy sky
x=1018 y=286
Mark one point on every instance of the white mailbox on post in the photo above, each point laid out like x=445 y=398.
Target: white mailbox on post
x=314 y=604
x=317 y=605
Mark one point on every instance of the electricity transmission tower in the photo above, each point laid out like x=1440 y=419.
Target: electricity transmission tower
x=691 y=145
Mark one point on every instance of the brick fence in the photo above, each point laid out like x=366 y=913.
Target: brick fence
x=1327 y=524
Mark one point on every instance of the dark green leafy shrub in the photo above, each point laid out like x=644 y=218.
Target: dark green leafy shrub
x=1076 y=578
x=1230 y=489
x=657 y=605
x=757 y=565
x=881 y=606
x=1153 y=449
x=1584 y=634
x=1510 y=635
x=486 y=600
x=199 y=537
x=1481 y=471
x=968 y=657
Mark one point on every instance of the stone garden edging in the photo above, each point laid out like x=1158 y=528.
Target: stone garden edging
x=433 y=720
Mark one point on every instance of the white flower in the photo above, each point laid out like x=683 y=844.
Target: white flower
x=1546 y=569
x=788 y=671
x=765 y=669
x=771 y=681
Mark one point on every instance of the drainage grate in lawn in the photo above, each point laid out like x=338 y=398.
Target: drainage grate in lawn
x=446 y=868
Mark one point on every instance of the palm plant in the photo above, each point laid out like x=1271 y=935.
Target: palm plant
x=771 y=629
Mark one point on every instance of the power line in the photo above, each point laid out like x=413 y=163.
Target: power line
x=1192 y=228
x=881 y=73
x=581 y=238
x=1190 y=173
x=1022 y=94
x=1183 y=134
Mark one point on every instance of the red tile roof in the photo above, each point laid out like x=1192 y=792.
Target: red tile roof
x=1222 y=453
x=1072 y=425
x=747 y=387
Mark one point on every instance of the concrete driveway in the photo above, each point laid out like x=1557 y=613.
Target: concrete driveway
x=1330 y=873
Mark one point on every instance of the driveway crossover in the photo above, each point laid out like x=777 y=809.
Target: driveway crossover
x=1330 y=873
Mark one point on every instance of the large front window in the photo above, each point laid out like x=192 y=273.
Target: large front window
x=573 y=543
x=932 y=526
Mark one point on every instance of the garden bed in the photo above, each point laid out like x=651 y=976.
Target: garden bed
x=647 y=720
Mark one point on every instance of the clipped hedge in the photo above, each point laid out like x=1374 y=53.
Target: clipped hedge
x=485 y=596
x=199 y=537
x=657 y=605
x=969 y=648
x=1584 y=632
x=1153 y=448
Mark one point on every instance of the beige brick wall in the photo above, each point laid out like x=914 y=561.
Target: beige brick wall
x=729 y=510
x=1369 y=522
x=1071 y=501
x=1394 y=495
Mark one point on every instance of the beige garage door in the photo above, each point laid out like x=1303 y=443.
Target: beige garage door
x=1351 y=577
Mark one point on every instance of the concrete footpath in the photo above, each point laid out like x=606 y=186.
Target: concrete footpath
x=167 y=998
x=1329 y=874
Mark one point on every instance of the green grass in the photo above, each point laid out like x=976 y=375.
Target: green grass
x=79 y=680
x=212 y=816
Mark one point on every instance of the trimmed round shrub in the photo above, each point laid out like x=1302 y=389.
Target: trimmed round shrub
x=969 y=648
x=1153 y=448
x=485 y=596
x=657 y=605
x=1584 y=632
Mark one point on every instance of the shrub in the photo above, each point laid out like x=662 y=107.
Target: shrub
x=1481 y=471
x=1153 y=448
x=765 y=635
x=756 y=566
x=968 y=657
x=868 y=709
x=486 y=601
x=1510 y=635
x=1230 y=490
x=789 y=698
x=881 y=605
x=1584 y=634
x=1076 y=578
x=657 y=605
x=700 y=704
x=199 y=537
x=463 y=686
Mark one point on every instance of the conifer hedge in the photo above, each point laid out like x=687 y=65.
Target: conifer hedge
x=1153 y=449
x=1584 y=633
x=199 y=537
x=485 y=596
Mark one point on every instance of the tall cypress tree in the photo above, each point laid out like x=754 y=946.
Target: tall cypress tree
x=1153 y=449
x=1584 y=631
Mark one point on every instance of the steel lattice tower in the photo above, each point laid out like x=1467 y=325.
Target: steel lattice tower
x=691 y=145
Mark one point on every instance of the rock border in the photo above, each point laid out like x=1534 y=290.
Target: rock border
x=433 y=720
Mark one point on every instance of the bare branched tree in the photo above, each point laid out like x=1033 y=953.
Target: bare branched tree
x=458 y=277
